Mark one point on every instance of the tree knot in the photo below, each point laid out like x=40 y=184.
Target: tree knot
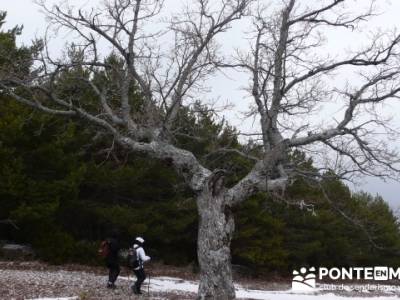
x=216 y=182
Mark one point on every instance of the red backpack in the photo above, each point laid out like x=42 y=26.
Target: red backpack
x=104 y=249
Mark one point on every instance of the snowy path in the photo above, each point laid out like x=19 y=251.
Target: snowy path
x=162 y=284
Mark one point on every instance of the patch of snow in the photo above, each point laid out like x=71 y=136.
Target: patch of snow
x=163 y=284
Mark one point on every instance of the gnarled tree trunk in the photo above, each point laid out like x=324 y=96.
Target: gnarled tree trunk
x=216 y=226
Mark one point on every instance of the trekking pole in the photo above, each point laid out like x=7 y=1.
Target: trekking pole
x=129 y=282
x=148 y=287
x=129 y=294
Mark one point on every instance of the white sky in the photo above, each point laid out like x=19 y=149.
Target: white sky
x=25 y=12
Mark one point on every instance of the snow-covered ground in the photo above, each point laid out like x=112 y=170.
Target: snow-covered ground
x=170 y=284
x=50 y=284
x=161 y=284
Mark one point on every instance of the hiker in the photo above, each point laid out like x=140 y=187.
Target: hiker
x=139 y=270
x=111 y=259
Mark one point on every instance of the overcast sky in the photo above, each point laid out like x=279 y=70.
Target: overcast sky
x=27 y=13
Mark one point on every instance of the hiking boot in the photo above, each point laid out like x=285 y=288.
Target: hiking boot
x=111 y=285
x=134 y=290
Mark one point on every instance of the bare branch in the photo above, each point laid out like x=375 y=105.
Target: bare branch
x=9 y=222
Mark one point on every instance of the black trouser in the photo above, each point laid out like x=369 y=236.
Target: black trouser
x=113 y=272
x=141 y=276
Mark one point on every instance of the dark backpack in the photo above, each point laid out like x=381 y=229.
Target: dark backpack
x=104 y=249
x=132 y=259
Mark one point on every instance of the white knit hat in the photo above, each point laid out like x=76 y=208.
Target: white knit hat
x=140 y=239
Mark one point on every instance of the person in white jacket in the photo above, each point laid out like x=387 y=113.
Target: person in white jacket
x=142 y=258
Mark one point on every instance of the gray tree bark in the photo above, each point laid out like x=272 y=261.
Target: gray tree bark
x=216 y=227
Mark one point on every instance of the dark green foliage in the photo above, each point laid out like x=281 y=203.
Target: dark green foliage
x=259 y=237
x=61 y=192
x=15 y=60
x=275 y=236
x=199 y=132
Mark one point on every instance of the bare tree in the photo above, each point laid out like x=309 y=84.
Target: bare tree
x=168 y=67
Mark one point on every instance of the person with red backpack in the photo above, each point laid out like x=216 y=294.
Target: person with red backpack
x=109 y=250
